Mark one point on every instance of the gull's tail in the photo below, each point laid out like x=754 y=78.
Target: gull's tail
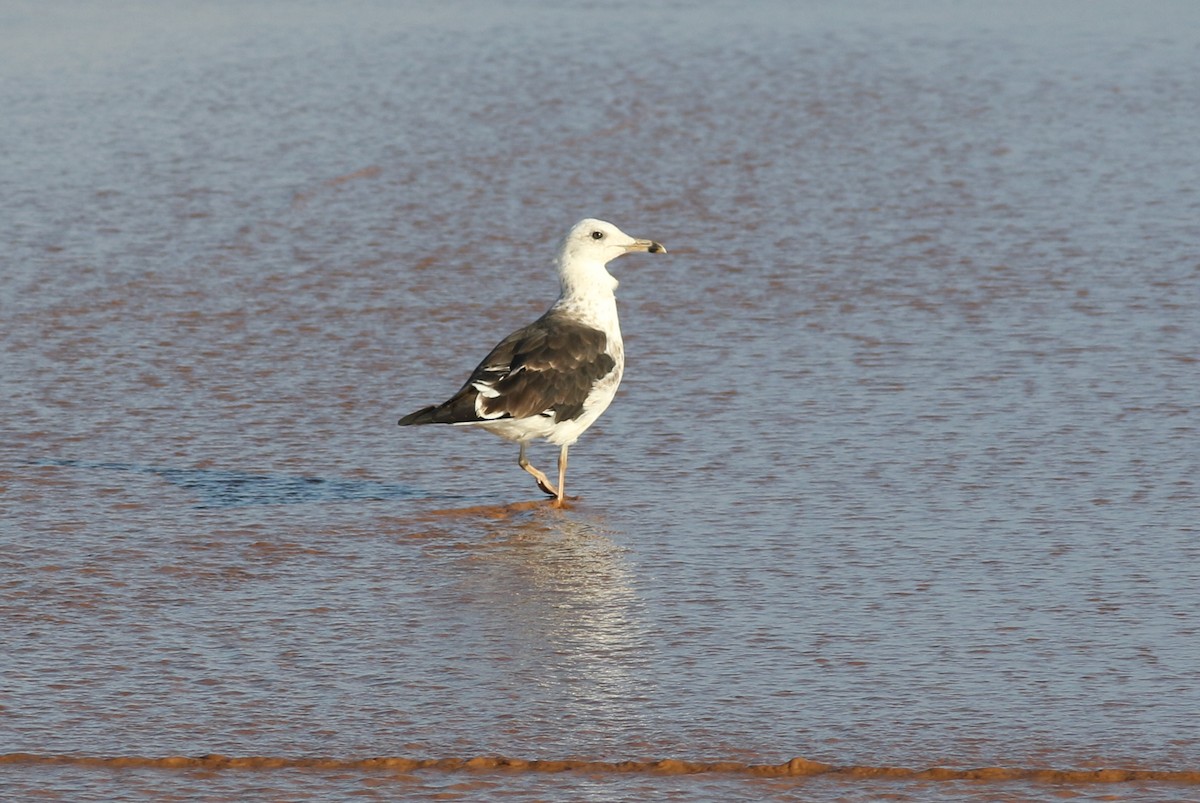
x=460 y=409
x=426 y=415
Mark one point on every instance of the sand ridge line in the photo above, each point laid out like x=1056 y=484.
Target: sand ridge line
x=797 y=767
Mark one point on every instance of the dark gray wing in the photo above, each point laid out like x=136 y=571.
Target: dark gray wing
x=546 y=368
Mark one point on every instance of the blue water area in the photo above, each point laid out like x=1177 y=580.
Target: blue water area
x=902 y=472
x=216 y=488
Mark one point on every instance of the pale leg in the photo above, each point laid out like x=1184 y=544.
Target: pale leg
x=542 y=480
x=562 y=476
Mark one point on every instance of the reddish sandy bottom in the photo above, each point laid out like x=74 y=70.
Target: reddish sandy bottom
x=797 y=767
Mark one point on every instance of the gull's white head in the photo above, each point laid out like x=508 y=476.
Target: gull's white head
x=588 y=247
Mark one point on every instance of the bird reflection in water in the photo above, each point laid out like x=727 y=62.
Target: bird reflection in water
x=559 y=607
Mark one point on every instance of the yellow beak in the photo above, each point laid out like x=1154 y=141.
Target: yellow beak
x=649 y=246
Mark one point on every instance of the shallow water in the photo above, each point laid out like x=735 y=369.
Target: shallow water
x=902 y=473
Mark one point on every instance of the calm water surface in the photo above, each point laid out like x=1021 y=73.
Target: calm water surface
x=903 y=471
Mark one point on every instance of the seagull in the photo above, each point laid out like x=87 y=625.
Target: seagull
x=553 y=378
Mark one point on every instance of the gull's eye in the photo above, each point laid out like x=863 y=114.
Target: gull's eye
x=597 y=235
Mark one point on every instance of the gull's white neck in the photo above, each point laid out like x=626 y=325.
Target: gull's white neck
x=589 y=293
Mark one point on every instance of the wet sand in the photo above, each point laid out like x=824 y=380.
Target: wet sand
x=797 y=767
